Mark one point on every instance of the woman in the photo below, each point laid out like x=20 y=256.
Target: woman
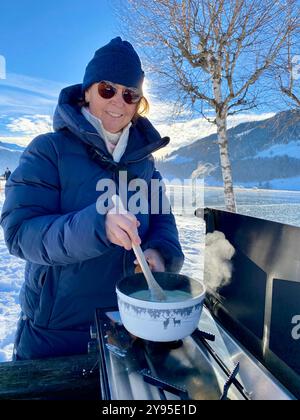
x=76 y=254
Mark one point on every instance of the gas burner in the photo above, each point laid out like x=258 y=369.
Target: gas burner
x=203 y=366
x=167 y=345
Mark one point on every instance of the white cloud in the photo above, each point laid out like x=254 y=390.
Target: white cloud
x=21 y=141
x=30 y=125
x=22 y=130
x=183 y=133
x=26 y=107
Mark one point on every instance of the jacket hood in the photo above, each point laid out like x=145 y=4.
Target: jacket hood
x=143 y=140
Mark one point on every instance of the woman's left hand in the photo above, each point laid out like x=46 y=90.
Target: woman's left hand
x=154 y=259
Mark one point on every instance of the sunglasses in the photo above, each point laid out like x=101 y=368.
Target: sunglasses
x=107 y=91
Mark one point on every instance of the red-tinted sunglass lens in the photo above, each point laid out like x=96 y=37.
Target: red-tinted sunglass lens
x=106 y=91
x=131 y=97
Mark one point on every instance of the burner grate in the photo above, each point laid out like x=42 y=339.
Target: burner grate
x=132 y=368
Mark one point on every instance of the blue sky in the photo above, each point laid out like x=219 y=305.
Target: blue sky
x=46 y=46
x=53 y=40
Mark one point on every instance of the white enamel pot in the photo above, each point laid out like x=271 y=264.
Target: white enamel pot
x=160 y=321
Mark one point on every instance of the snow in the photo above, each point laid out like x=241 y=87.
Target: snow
x=11 y=279
x=292 y=149
x=184 y=133
x=191 y=235
x=278 y=184
x=178 y=159
x=7 y=149
x=244 y=133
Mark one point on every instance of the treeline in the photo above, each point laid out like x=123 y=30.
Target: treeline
x=264 y=169
x=258 y=170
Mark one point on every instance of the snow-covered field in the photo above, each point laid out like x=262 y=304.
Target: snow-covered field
x=280 y=206
x=11 y=278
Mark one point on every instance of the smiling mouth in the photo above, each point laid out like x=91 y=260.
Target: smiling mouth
x=114 y=114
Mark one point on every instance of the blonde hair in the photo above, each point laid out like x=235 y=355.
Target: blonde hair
x=142 y=109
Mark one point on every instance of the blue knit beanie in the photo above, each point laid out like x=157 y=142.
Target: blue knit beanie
x=116 y=62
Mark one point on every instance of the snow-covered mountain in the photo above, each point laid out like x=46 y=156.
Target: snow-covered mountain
x=9 y=156
x=263 y=154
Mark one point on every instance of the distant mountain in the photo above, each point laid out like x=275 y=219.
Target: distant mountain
x=262 y=153
x=9 y=156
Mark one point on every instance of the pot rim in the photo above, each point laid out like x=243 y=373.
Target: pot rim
x=193 y=301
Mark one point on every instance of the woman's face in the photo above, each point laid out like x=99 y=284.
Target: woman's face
x=114 y=113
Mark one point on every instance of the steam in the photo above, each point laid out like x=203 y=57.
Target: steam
x=218 y=255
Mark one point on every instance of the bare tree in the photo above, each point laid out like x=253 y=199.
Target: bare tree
x=287 y=66
x=211 y=53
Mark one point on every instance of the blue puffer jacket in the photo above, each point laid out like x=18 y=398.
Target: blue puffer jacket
x=50 y=219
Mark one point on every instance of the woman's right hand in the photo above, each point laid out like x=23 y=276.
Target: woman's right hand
x=121 y=229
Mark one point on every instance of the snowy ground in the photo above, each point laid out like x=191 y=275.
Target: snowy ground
x=11 y=278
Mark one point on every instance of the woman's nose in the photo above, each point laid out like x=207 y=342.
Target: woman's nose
x=118 y=98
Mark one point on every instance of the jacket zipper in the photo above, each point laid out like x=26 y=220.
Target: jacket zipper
x=136 y=160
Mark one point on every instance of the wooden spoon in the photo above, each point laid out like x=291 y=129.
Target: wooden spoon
x=157 y=293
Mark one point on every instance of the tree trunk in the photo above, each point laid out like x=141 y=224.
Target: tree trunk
x=221 y=121
x=225 y=162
